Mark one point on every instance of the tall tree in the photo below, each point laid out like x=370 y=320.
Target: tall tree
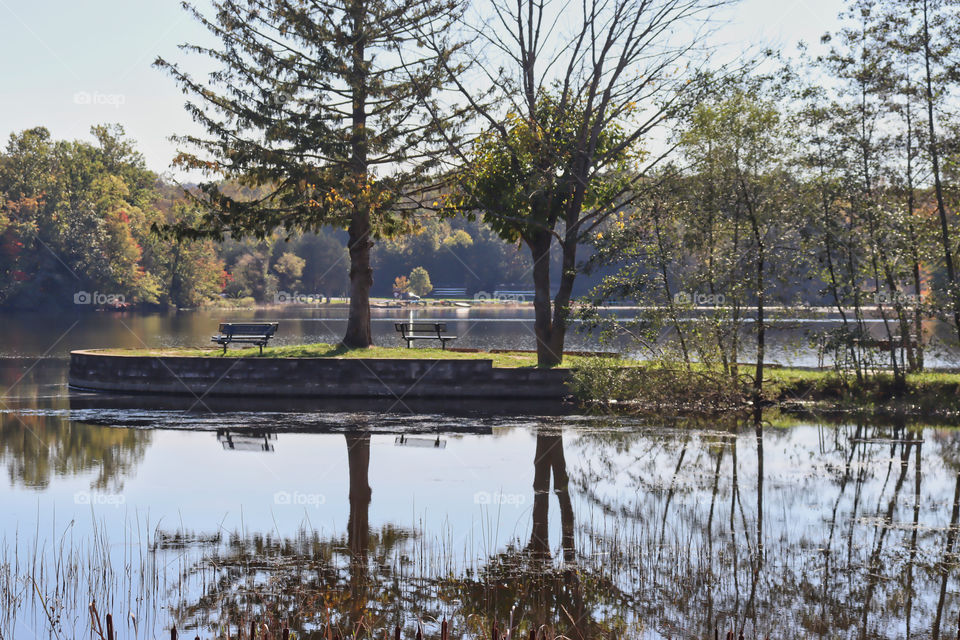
x=741 y=139
x=939 y=21
x=567 y=110
x=327 y=103
x=923 y=34
x=876 y=232
x=862 y=109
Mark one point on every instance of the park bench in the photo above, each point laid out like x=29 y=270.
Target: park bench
x=883 y=344
x=826 y=343
x=449 y=292
x=258 y=333
x=411 y=331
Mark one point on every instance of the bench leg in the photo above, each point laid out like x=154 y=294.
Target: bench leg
x=261 y=348
x=224 y=348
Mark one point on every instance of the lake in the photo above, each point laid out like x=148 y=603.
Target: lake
x=364 y=514
x=29 y=335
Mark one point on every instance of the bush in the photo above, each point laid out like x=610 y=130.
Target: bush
x=605 y=382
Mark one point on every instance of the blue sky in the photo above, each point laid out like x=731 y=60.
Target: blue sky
x=69 y=64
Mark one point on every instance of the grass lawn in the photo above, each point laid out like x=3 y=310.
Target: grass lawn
x=322 y=350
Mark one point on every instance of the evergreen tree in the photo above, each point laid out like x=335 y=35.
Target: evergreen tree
x=330 y=105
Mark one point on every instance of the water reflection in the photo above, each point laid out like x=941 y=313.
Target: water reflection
x=36 y=449
x=948 y=564
x=37 y=442
x=403 y=440
x=358 y=523
x=548 y=460
x=254 y=440
x=643 y=527
x=374 y=580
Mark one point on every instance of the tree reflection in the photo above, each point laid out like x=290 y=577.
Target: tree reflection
x=576 y=599
x=825 y=556
x=315 y=584
x=363 y=582
x=38 y=446
x=358 y=522
x=947 y=565
x=676 y=534
x=548 y=459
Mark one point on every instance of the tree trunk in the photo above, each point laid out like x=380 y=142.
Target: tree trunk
x=176 y=282
x=358 y=334
x=916 y=357
x=761 y=326
x=664 y=276
x=735 y=304
x=835 y=289
x=918 y=314
x=543 y=325
x=561 y=302
x=760 y=284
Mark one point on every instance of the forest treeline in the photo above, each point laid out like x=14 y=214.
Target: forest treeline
x=78 y=221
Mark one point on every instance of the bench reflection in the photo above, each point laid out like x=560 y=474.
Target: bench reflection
x=255 y=440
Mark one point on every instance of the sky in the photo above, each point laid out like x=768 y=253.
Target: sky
x=70 y=64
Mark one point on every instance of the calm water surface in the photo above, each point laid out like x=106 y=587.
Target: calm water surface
x=174 y=512
x=789 y=340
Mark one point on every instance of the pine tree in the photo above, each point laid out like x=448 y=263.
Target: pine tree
x=330 y=105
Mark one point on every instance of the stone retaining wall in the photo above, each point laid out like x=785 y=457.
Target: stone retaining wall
x=311 y=377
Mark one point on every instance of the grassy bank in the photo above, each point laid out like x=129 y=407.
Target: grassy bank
x=609 y=381
x=930 y=393
x=665 y=386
